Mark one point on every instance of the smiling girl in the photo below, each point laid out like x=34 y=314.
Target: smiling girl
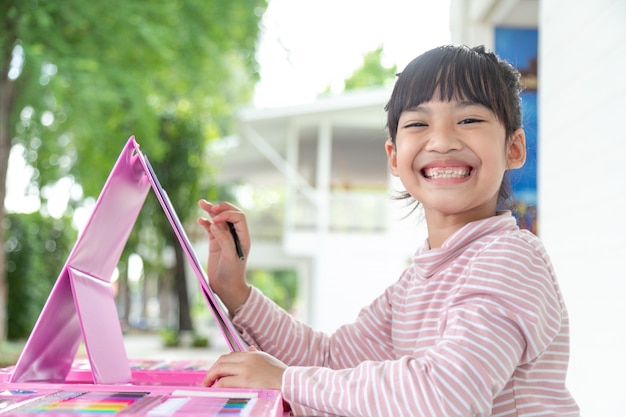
x=475 y=326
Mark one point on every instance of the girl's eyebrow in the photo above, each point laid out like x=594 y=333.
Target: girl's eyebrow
x=418 y=109
x=463 y=104
x=422 y=108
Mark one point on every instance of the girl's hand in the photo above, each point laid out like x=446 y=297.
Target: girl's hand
x=253 y=369
x=226 y=271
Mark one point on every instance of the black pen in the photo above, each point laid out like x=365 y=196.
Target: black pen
x=233 y=233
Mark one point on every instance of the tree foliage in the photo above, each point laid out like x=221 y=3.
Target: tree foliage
x=77 y=78
x=372 y=73
x=36 y=246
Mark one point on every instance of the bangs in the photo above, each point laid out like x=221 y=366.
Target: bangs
x=449 y=73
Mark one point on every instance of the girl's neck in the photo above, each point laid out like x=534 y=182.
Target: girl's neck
x=441 y=226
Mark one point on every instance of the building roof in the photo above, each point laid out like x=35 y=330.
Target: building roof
x=357 y=120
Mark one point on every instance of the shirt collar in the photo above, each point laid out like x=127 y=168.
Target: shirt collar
x=428 y=262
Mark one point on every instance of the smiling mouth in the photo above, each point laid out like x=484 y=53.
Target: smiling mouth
x=439 y=173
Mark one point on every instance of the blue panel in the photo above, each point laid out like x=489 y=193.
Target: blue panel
x=520 y=47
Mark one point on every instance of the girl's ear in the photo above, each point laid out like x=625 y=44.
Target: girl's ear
x=390 y=148
x=516 y=154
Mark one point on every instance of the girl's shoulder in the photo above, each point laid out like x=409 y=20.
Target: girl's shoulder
x=502 y=230
x=517 y=255
x=516 y=238
x=501 y=245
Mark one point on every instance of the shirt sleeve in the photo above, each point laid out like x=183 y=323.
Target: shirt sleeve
x=264 y=324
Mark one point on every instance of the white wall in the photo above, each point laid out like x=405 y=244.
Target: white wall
x=582 y=187
x=352 y=269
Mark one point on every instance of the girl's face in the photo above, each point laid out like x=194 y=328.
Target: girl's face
x=451 y=157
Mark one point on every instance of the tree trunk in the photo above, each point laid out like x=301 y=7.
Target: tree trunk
x=7 y=99
x=180 y=279
x=164 y=294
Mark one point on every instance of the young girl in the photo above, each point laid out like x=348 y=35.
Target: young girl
x=476 y=325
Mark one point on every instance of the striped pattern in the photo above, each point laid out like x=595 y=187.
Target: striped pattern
x=477 y=327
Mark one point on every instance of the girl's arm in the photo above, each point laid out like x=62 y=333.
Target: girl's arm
x=276 y=332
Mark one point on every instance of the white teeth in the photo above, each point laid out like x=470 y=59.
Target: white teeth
x=437 y=173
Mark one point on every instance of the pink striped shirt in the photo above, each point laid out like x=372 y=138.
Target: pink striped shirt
x=477 y=327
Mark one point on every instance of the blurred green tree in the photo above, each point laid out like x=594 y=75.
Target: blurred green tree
x=371 y=73
x=77 y=78
x=36 y=246
x=281 y=285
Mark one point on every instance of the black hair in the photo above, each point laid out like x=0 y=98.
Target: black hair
x=460 y=72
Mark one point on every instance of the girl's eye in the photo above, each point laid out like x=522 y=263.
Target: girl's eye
x=415 y=124
x=469 y=120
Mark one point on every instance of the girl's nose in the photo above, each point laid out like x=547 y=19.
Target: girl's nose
x=443 y=139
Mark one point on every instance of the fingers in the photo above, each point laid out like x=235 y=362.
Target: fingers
x=221 y=212
x=207 y=221
x=225 y=372
x=252 y=369
x=226 y=223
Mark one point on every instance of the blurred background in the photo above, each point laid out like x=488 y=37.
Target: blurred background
x=278 y=106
